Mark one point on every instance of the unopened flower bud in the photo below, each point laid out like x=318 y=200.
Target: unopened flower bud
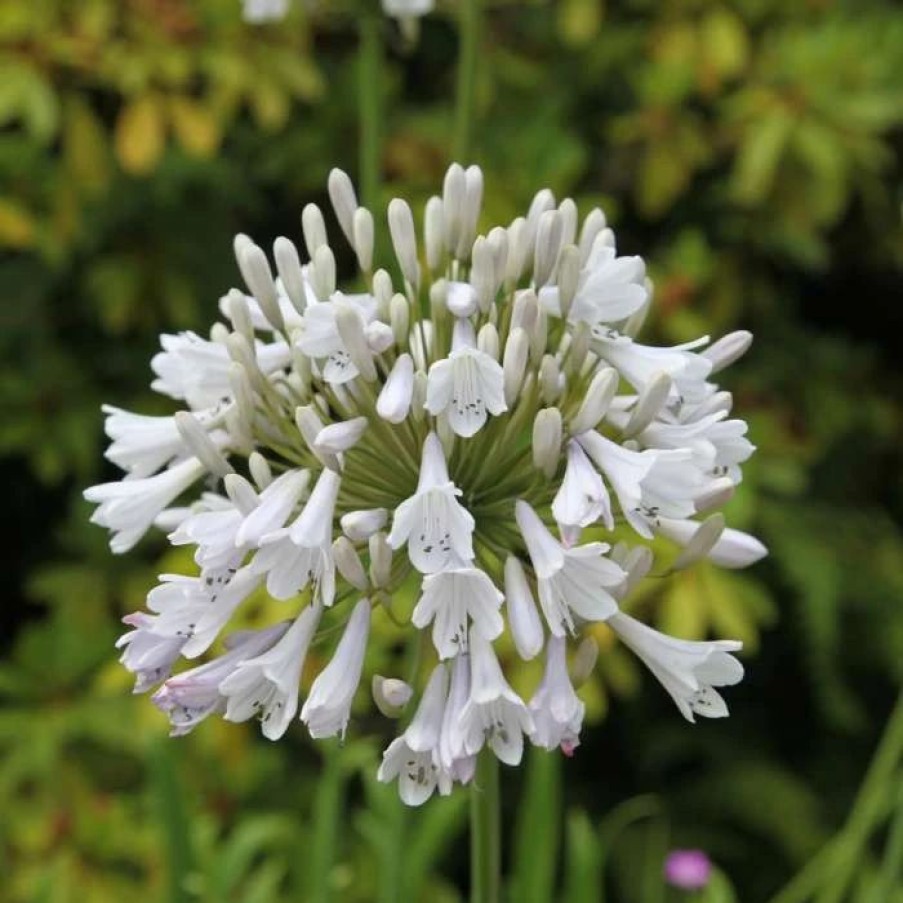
x=322 y=273
x=399 y=317
x=339 y=437
x=547 y=436
x=380 y=560
x=259 y=277
x=453 y=192
x=241 y=493
x=461 y=299
x=260 y=470
x=350 y=327
x=198 y=442
x=288 y=265
x=394 y=400
x=523 y=618
x=363 y=238
x=649 y=403
x=525 y=311
x=584 y=661
x=550 y=382
x=514 y=363
x=636 y=320
x=418 y=398
x=348 y=563
x=543 y=202
x=488 y=340
x=482 y=273
x=539 y=336
x=701 y=542
x=391 y=695
x=596 y=402
x=434 y=232
x=446 y=435
x=579 y=347
x=498 y=241
x=314 y=228
x=310 y=425
x=732 y=548
x=344 y=201
x=548 y=245
x=728 y=349
x=519 y=249
x=238 y=313
x=382 y=291
x=242 y=394
x=592 y=226
x=568 y=277
x=719 y=492
x=401 y=228
x=568 y=212
x=470 y=212
x=361 y=525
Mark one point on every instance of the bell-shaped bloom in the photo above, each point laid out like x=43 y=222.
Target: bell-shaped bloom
x=582 y=498
x=142 y=444
x=319 y=335
x=328 y=708
x=436 y=527
x=452 y=599
x=148 y=655
x=493 y=714
x=128 y=508
x=296 y=556
x=556 y=710
x=523 y=619
x=413 y=757
x=733 y=548
x=572 y=581
x=609 y=290
x=276 y=503
x=197 y=370
x=638 y=364
x=453 y=758
x=189 y=697
x=467 y=386
x=688 y=670
x=267 y=684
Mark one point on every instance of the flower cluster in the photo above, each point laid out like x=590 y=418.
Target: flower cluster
x=447 y=433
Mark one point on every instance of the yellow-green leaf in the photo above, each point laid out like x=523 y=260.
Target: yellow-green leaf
x=195 y=126
x=140 y=135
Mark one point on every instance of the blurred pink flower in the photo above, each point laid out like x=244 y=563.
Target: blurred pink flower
x=688 y=869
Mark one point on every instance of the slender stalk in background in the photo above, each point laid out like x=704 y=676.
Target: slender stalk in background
x=170 y=802
x=470 y=26
x=370 y=105
x=485 y=831
x=327 y=814
x=833 y=868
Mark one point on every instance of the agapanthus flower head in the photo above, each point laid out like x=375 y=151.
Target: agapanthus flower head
x=455 y=421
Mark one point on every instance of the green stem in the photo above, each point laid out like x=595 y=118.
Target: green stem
x=470 y=20
x=831 y=870
x=174 y=819
x=369 y=94
x=892 y=866
x=485 y=831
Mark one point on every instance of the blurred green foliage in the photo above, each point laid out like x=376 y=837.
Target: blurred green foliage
x=750 y=150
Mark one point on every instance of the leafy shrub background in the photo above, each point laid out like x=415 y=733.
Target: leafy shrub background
x=750 y=150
